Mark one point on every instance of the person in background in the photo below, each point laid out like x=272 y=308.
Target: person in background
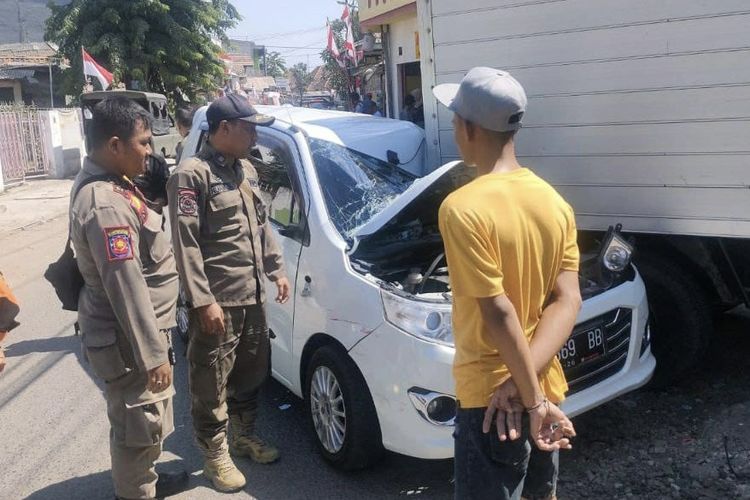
x=407 y=112
x=368 y=105
x=512 y=252
x=9 y=309
x=355 y=103
x=184 y=118
x=418 y=113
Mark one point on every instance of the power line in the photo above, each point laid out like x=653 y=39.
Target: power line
x=298 y=32
x=270 y=36
x=293 y=47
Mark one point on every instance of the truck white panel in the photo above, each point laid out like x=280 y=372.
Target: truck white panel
x=639 y=110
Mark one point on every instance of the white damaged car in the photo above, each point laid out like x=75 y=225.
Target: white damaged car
x=366 y=338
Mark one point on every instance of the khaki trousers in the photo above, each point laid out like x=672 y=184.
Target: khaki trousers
x=136 y=435
x=227 y=372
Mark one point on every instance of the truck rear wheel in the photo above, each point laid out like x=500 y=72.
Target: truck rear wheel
x=681 y=325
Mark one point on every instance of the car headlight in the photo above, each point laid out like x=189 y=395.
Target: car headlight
x=616 y=251
x=426 y=320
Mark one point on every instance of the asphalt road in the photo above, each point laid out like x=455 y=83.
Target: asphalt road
x=55 y=432
x=54 y=442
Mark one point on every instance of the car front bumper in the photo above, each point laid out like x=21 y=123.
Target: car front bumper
x=393 y=362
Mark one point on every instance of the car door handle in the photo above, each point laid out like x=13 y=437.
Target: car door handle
x=307 y=289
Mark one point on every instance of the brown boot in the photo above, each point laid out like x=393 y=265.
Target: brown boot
x=220 y=469
x=243 y=442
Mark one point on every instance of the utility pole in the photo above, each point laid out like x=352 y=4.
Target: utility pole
x=21 y=29
x=51 y=93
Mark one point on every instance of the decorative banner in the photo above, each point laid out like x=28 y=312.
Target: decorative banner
x=349 y=49
x=333 y=48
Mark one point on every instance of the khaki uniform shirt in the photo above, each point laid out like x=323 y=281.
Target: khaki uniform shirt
x=131 y=282
x=220 y=230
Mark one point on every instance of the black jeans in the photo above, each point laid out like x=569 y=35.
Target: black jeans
x=487 y=468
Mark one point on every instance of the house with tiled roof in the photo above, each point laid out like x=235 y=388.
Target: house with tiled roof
x=26 y=70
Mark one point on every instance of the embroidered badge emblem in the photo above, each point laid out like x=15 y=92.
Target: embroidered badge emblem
x=186 y=202
x=119 y=243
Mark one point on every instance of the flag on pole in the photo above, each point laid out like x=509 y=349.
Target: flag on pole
x=94 y=69
x=333 y=48
x=349 y=49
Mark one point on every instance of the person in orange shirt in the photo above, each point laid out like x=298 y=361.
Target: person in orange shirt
x=8 y=311
x=510 y=242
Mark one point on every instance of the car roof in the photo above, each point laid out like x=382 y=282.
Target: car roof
x=370 y=135
x=130 y=94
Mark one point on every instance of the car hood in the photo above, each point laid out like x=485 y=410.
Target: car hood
x=418 y=188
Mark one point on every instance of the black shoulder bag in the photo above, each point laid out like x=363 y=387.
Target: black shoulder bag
x=64 y=275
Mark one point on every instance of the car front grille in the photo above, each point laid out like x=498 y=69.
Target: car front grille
x=616 y=326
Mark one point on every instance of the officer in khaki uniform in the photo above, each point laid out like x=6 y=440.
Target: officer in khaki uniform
x=224 y=248
x=127 y=305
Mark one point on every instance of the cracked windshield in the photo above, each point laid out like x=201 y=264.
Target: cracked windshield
x=356 y=187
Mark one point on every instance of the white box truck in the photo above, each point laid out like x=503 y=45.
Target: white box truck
x=639 y=113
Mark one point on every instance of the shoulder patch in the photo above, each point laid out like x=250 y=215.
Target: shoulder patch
x=252 y=181
x=119 y=243
x=187 y=203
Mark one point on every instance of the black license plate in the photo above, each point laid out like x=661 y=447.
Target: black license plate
x=582 y=347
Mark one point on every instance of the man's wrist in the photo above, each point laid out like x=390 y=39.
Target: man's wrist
x=537 y=401
x=544 y=402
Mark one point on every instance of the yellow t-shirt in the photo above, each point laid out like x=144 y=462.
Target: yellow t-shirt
x=508 y=233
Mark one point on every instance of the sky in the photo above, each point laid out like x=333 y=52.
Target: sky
x=295 y=28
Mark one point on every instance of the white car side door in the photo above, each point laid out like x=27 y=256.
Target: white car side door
x=276 y=158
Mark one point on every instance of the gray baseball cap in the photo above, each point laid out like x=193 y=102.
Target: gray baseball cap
x=490 y=98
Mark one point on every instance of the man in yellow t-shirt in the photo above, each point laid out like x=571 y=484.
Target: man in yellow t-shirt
x=510 y=241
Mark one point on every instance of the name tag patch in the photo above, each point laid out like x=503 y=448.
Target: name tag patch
x=186 y=202
x=221 y=188
x=119 y=243
x=252 y=182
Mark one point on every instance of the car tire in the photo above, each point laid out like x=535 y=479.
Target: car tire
x=183 y=317
x=681 y=326
x=336 y=391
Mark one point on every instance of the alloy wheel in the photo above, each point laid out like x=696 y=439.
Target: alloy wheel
x=328 y=409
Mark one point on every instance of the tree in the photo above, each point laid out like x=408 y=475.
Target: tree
x=301 y=78
x=275 y=65
x=162 y=46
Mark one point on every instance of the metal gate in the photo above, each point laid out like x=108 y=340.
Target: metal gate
x=24 y=135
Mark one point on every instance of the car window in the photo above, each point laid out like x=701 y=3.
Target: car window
x=273 y=161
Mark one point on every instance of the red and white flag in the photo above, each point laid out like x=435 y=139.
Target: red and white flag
x=333 y=48
x=349 y=49
x=94 y=69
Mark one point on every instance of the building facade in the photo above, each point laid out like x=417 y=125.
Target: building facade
x=396 y=21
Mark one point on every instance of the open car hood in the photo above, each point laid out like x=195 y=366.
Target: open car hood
x=418 y=188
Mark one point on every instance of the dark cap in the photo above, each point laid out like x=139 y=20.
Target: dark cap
x=235 y=107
